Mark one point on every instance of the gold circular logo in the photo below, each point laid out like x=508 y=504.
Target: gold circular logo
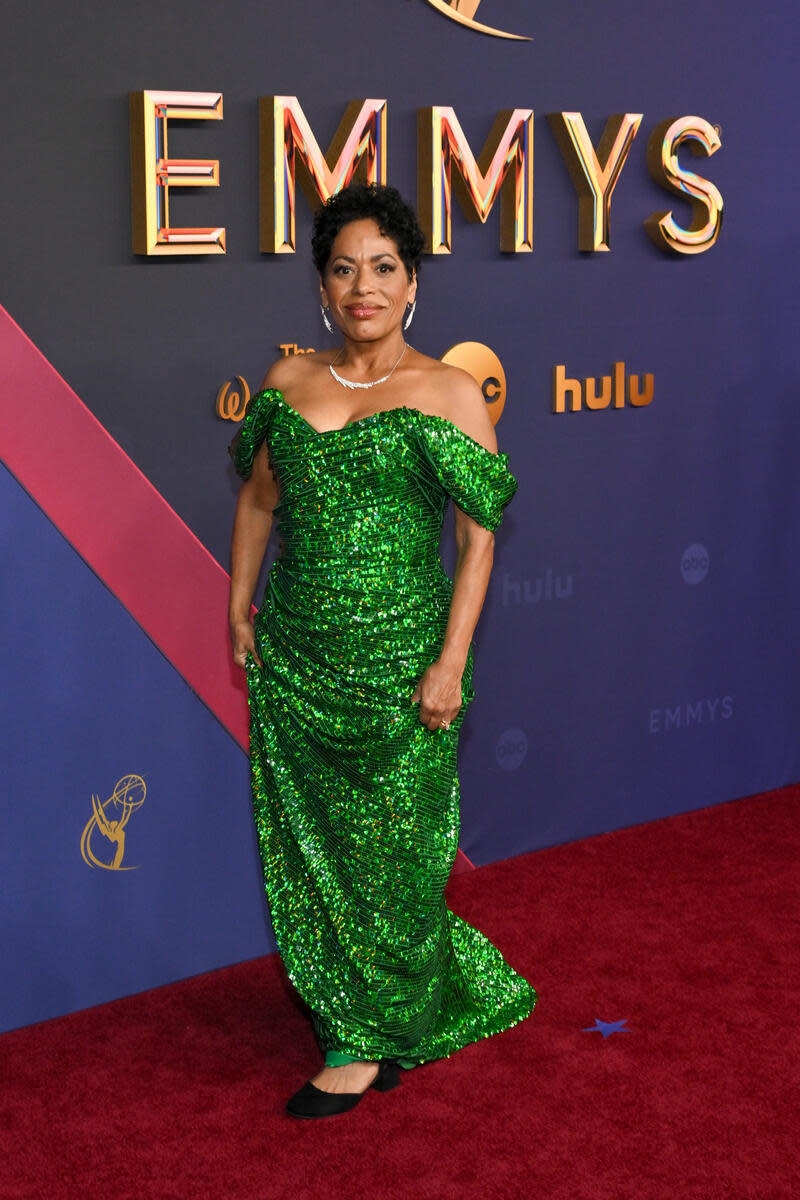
x=485 y=368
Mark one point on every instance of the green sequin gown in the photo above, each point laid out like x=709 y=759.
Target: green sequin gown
x=356 y=801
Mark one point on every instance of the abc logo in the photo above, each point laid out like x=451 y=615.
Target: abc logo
x=695 y=563
x=511 y=749
x=485 y=368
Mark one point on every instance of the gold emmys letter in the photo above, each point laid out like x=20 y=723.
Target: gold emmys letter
x=504 y=168
x=706 y=201
x=287 y=144
x=153 y=172
x=594 y=173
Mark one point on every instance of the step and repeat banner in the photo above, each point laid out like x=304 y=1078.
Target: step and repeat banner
x=607 y=197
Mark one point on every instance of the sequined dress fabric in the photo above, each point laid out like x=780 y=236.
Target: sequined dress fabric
x=356 y=801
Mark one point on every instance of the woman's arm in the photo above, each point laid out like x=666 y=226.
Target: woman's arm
x=251 y=529
x=471 y=581
x=439 y=688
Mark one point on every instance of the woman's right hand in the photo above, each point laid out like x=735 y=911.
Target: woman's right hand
x=243 y=641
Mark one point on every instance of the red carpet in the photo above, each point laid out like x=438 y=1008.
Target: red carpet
x=685 y=928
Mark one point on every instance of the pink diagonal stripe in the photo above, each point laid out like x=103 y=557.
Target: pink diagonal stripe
x=119 y=524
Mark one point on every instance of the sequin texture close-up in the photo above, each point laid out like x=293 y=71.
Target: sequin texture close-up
x=356 y=801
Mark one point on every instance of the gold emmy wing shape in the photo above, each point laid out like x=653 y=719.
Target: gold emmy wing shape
x=463 y=11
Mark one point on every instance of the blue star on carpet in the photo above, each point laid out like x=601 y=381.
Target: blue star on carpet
x=607 y=1027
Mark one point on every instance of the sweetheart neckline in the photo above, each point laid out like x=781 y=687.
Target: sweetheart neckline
x=381 y=412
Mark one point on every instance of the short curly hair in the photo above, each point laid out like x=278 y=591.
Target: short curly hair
x=368 y=201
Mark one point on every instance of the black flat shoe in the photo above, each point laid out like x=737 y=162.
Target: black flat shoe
x=311 y=1101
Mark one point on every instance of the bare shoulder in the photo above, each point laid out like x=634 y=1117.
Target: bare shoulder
x=290 y=371
x=459 y=399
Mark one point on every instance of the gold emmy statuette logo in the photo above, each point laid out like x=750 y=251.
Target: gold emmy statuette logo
x=109 y=820
x=464 y=10
x=485 y=368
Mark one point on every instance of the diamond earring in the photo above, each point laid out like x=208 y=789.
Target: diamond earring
x=410 y=316
x=328 y=325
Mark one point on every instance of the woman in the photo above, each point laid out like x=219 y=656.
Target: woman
x=359 y=666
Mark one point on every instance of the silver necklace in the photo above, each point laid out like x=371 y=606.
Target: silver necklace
x=348 y=383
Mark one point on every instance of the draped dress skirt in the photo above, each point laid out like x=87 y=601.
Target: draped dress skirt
x=356 y=802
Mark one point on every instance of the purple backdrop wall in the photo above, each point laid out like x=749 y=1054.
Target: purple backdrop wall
x=621 y=675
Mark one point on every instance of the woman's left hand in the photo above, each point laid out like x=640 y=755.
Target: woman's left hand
x=439 y=695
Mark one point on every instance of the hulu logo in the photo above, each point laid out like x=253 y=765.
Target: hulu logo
x=548 y=586
x=610 y=391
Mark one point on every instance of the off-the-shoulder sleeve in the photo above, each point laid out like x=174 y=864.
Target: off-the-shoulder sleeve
x=252 y=431
x=479 y=481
